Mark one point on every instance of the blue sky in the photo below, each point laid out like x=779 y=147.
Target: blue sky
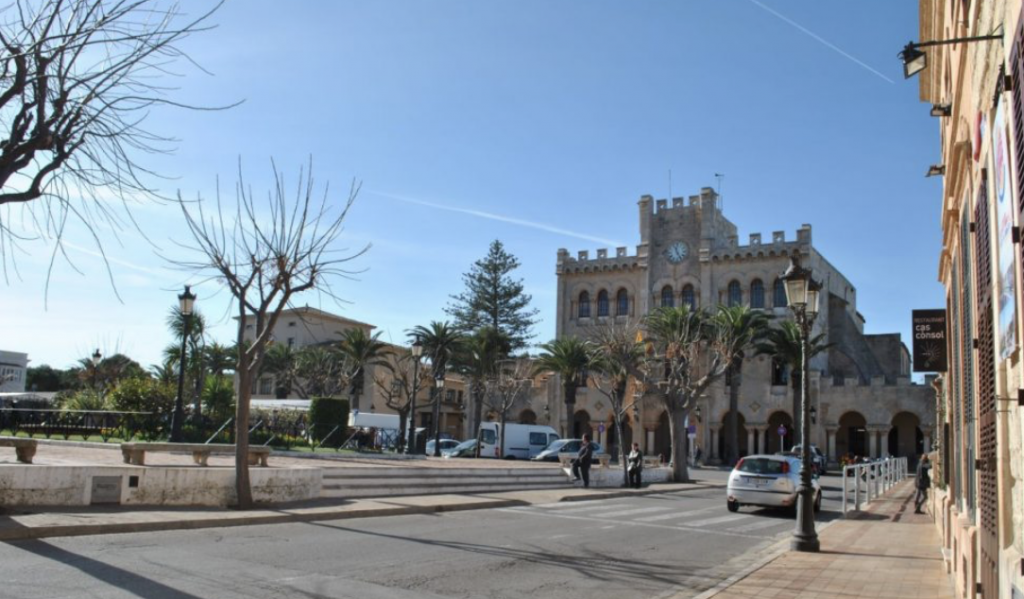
x=561 y=114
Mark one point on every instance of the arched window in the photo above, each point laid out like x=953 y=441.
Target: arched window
x=689 y=298
x=779 y=294
x=735 y=294
x=602 y=303
x=757 y=294
x=667 y=299
x=584 y=307
x=622 y=303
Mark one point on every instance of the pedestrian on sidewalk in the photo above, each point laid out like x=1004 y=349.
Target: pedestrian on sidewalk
x=924 y=481
x=581 y=465
x=635 y=466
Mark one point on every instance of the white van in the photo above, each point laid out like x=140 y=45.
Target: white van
x=522 y=441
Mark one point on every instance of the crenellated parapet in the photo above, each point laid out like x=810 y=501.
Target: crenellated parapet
x=603 y=260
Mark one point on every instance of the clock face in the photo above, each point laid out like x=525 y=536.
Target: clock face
x=677 y=252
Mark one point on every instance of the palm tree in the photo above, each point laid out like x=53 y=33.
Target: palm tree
x=441 y=341
x=738 y=328
x=782 y=343
x=569 y=358
x=220 y=358
x=477 y=362
x=362 y=350
x=194 y=326
x=279 y=360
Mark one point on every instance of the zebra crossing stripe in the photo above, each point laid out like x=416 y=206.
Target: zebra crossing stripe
x=642 y=510
x=590 y=508
x=757 y=525
x=718 y=520
x=677 y=515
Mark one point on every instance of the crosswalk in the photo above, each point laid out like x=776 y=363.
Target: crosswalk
x=673 y=515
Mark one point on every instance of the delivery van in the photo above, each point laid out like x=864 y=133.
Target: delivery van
x=522 y=441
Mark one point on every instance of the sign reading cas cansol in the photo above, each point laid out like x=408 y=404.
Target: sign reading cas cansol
x=929 y=340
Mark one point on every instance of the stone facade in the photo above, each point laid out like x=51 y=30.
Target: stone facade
x=690 y=252
x=13 y=368
x=979 y=483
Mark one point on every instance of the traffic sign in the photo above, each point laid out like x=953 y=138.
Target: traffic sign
x=692 y=429
x=600 y=428
x=782 y=430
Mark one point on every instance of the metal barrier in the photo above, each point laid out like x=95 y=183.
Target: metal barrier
x=875 y=477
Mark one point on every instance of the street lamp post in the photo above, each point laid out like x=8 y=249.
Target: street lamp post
x=186 y=300
x=802 y=294
x=417 y=351
x=439 y=393
x=95 y=359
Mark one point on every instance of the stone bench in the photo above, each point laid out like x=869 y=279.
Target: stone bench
x=652 y=461
x=135 y=453
x=24 y=448
x=603 y=459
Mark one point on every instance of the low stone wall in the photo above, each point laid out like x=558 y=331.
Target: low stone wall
x=135 y=485
x=613 y=476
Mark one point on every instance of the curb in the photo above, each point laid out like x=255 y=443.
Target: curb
x=264 y=516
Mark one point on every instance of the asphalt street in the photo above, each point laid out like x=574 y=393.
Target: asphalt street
x=650 y=546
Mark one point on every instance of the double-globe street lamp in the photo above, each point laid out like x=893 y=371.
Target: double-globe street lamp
x=802 y=293
x=417 y=352
x=185 y=300
x=95 y=359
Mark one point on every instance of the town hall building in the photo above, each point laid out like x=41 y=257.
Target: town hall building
x=690 y=253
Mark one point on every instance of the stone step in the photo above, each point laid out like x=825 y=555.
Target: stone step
x=433 y=481
x=391 y=491
x=437 y=473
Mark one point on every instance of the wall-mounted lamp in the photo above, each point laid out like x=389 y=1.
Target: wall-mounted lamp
x=941 y=110
x=936 y=170
x=915 y=61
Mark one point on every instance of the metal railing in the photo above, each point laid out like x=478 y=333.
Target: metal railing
x=875 y=478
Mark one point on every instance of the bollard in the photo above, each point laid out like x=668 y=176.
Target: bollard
x=856 y=488
x=844 y=488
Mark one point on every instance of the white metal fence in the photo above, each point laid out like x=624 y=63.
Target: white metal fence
x=870 y=480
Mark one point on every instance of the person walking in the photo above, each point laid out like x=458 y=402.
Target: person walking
x=581 y=465
x=635 y=466
x=923 y=482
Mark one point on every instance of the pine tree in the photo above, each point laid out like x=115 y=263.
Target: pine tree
x=494 y=299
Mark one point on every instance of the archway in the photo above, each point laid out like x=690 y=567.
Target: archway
x=852 y=436
x=905 y=437
x=741 y=436
x=527 y=416
x=580 y=424
x=663 y=438
x=773 y=440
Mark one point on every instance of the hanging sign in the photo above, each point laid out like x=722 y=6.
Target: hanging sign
x=1004 y=218
x=929 y=340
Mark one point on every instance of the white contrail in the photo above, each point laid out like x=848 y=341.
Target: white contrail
x=820 y=39
x=502 y=218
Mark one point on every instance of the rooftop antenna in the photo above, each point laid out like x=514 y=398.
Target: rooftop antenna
x=721 y=200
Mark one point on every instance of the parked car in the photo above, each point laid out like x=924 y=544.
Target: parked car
x=446 y=444
x=817 y=458
x=522 y=441
x=466 y=449
x=767 y=481
x=564 y=446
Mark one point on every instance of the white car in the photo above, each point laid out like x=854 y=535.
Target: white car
x=767 y=481
x=446 y=445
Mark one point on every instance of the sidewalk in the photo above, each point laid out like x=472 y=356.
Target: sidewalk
x=20 y=523
x=885 y=552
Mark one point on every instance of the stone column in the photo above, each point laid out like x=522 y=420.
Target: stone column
x=750 y=441
x=650 y=441
x=873 y=442
x=831 y=433
x=885 y=442
x=762 y=434
x=927 y=440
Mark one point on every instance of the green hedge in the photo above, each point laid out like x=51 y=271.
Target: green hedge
x=325 y=413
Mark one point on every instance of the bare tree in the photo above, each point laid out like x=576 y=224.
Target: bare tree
x=77 y=80
x=322 y=372
x=512 y=381
x=617 y=353
x=265 y=253
x=398 y=388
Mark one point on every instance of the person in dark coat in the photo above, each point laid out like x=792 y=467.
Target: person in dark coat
x=923 y=482
x=635 y=466
x=581 y=465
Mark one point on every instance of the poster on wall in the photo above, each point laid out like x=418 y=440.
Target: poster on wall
x=1004 y=218
x=929 y=340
